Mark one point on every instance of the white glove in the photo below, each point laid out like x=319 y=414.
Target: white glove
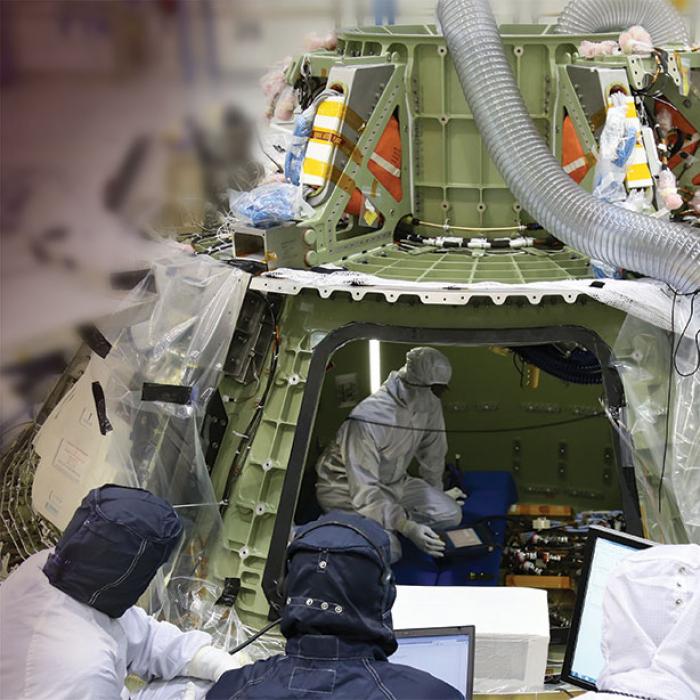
x=456 y=494
x=210 y=663
x=424 y=538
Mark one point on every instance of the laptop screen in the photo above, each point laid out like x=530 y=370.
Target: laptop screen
x=584 y=656
x=447 y=654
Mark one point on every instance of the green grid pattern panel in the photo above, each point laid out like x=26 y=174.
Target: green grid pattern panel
x=463 y=268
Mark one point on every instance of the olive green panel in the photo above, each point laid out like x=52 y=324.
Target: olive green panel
x=463 y=266
x=453 y=175
x=446 y=171
x=570 y=464
x=306 y=320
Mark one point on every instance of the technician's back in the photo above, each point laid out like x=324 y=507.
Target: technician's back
x=318 y=666
x=337 y=621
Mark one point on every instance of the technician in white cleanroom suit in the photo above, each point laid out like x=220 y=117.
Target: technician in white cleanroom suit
x=651 y=626
x=365 y=468
x=69 y=625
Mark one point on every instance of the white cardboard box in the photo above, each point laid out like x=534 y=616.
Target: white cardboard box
x=512 y=629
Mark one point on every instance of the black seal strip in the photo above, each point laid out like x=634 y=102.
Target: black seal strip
x=232 y=587
x=101 y=407
x=167 y=393
x=92 y=337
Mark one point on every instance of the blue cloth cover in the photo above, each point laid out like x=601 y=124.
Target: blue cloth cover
x=490 y=493
x=112 y=547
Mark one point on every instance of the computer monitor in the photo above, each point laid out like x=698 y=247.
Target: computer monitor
x=605 y=549
x=444 y=652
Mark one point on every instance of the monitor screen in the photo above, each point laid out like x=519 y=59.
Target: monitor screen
x=447 y=657
x=585 y=656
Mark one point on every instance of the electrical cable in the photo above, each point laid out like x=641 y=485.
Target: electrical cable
x=673 y=366
x=473 y=229
x=446 y=431
x=506 y=516
x=682 y=335
x=520 y=369
x=578 y=366
x=279 y=168
x=256 y=636
x=250 y=430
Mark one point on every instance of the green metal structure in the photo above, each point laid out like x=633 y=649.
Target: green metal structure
x=316 y=369
x=552 y=464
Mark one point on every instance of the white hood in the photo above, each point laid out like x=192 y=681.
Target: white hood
x=425 y=367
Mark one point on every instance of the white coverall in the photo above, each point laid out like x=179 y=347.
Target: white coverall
x=651 y=626
x=364 y=469
x=53 y=647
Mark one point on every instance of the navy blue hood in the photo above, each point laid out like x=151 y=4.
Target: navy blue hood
x=112 y=547
x=339 y=581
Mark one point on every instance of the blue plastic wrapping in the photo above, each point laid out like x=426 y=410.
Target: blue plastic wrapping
x=297 y=147
x=268 y=205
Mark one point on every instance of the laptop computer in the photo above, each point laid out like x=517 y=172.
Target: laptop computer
x=444 y=652
x=605 y=549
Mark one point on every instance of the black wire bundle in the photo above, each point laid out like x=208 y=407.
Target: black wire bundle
x=578 y=366
x=249 y=432
x=673 y=367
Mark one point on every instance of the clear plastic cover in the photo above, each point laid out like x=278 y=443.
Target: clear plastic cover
x=616 y=144
x=168 y=346
x=193 y=605
x=661 y=378
x=297 y=144
x=269 y=205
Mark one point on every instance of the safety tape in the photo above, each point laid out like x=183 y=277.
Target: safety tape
x=638 y=173
x=584 y=161
x=385 y=165
x=340 y=142
x=574 y=165
x=339 y=110
x=330 y=173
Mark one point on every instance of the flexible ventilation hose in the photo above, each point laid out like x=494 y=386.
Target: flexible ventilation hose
x=658 y=249
x=658 y=17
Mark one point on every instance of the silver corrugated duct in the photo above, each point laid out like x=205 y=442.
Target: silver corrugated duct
x=658 y=17
x=659 y=249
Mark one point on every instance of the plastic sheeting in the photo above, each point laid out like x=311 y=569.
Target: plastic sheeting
x=135 y=416
x=660 y=372
x=269 y=205
x=194 y=605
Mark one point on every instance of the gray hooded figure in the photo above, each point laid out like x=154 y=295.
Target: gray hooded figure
x=364 y=469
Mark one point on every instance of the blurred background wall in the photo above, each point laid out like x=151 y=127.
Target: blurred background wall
x=116 y=38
